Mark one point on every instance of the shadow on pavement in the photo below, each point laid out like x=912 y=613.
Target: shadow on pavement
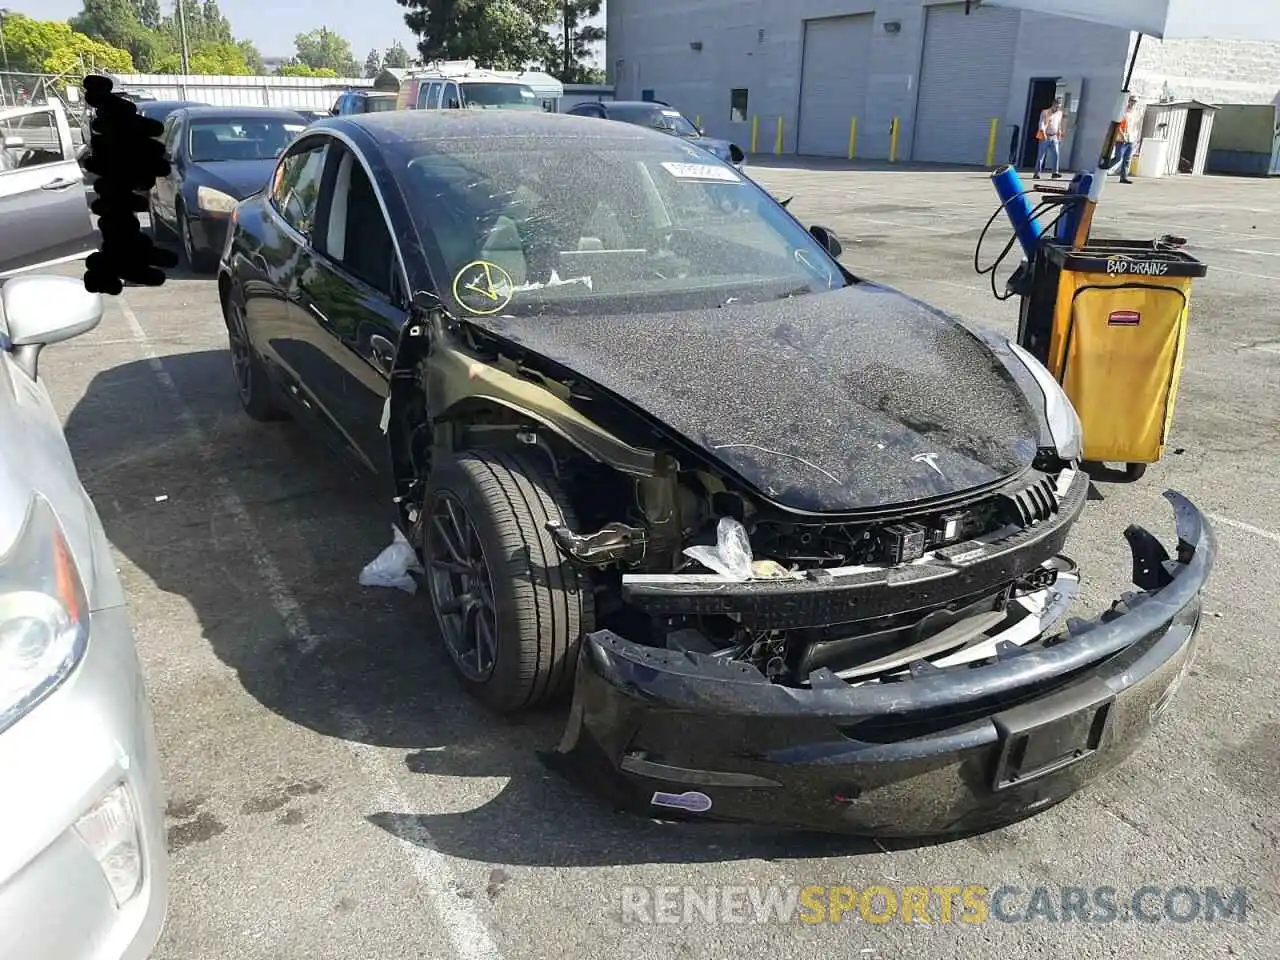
x=359 y=664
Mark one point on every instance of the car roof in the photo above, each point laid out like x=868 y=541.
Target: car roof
x=649 y=104
x=394 y=126
x=215 y=112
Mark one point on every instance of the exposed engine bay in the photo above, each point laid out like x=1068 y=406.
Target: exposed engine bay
x=696 y=566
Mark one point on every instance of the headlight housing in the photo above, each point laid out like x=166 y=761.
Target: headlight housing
x=44 y=615
x=215 y=201
x=1060 y=414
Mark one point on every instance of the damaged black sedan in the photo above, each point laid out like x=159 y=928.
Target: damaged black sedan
x=790 y=541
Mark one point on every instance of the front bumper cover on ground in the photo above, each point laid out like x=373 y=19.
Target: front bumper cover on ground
x=677 y=735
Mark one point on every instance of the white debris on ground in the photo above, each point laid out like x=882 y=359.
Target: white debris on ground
x=393 y=567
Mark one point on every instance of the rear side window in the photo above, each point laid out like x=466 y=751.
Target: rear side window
x=429 y=96
x=296 y=189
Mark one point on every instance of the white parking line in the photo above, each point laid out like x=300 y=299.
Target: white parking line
x=462 y=923
x=1246 y=527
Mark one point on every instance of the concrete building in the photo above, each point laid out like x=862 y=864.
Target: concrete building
x=810 y=68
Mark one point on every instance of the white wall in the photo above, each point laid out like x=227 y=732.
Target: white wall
x=1214 y=71
x=758 y=44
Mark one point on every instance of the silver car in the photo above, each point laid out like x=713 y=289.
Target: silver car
x=44 y=213
x=83 y=861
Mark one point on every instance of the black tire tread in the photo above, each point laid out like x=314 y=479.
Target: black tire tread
x=552 y=601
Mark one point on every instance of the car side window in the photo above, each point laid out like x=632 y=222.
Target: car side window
x=359 y=237
x=296 y=189
x=31 y=140
x=452 y=97
x=172 y=128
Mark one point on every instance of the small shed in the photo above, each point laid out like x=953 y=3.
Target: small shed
x=1246 y=140
x=1187 y=126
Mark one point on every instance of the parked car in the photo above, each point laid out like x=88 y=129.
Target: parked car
x=83 y=861
x=44 y=214
x=219 y=155
x=793 y=539
x=661 y=116
x=363 y=101
x=483 y=90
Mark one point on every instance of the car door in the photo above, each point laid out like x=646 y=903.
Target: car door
x=297 y=349
x=165 y=191
x=44 y=212
x=355 y=292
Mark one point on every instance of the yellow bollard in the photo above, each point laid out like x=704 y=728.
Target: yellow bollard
x=777 y=140
x=893 y=141
x=755 y=134
x=991 y=143
x=853 y=138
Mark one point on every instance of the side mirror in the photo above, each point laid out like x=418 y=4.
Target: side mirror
x=41 y=310
x=828 y=239
x=14 y=143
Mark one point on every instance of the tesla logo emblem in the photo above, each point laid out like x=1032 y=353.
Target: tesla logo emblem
x=931 y=460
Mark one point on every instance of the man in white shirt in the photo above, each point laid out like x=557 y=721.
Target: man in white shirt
x=1053 y=130
x=1127 y=139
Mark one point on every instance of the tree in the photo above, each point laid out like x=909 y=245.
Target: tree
x=51 y=46
x=304 y=70
x=501 y=34
x=323 y=49
x=218 y=59
x=251 y=56
x=396 y=56
x=372 y=64
x=148 y=13
x=117 y=23
x=573 y=45
x=213 y=25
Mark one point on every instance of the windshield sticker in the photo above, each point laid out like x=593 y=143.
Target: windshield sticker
x=701 y=171
x=671 y=113
x=483 y=288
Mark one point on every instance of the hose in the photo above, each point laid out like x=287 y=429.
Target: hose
x=1044 y=206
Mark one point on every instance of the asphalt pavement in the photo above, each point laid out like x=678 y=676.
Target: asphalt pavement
x=333 y=794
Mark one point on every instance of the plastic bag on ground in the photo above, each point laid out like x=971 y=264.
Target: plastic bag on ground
x=731 y=556
x=391 y=568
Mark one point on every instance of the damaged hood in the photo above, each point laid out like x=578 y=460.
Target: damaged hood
x=846 y=401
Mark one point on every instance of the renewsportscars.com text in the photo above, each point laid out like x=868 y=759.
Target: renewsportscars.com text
x=942 y=903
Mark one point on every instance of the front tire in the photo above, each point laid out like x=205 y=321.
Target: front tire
x=510 y=610
x=197 y=260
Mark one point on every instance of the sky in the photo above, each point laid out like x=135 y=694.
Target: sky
x=272 y=24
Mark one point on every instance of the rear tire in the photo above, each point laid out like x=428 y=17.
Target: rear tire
x=254 y=387
x=514 y=643
x=1135 y=472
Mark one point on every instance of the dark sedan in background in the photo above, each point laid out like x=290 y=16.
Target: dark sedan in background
x=219 y=155
x=664 y=117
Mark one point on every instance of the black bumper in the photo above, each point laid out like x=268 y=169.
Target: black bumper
x=947 y=752
x=209 y=233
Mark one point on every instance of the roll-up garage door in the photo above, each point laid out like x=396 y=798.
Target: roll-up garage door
x=964 y=81
x=833 y=85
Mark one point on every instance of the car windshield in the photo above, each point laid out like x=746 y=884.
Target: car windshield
x=379 y=104
x=670 y=121
x=241 y=138
x=490 y=95
x=535 y=225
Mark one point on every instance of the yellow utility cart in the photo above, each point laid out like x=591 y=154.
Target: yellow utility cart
x=1109 y=321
